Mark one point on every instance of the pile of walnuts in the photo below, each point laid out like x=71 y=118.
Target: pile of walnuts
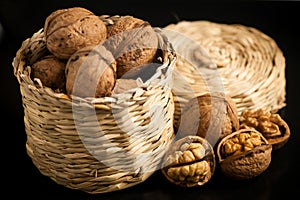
x=87 y=57
x=211 y=134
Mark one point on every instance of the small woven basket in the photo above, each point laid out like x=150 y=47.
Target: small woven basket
x=97 y=145
x=249 y=64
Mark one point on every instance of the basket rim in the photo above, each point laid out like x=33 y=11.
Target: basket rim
x=22 y=70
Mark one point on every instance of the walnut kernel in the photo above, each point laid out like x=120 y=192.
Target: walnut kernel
x=189 y=162
x=271 y=125
x=241 y=143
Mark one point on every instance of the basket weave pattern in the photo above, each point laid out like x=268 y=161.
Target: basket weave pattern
x=96 y=145
x=249 y=63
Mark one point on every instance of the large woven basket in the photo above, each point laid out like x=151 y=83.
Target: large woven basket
x=97 y=145
x=242 y=61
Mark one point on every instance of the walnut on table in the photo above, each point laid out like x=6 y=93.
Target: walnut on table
x=189 y=162
x=244 y=154
x=271 y=125
x=211 y=116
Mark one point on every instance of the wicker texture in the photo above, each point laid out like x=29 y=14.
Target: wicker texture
x=96 y=145
x=249 y=64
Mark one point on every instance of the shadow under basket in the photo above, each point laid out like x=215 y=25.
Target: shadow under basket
x=96 y=145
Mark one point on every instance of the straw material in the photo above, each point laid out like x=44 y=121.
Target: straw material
x=96 y=145
x=239 y=60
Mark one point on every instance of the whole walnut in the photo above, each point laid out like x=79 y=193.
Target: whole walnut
x=51 y=71
x=211 y=116
x=91 y=72
x=68 y=30
x=134 y=44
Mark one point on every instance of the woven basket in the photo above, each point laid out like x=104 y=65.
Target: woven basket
x=248 y=64
x=96 y=145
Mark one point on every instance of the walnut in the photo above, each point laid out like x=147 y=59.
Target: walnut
x=211 y=116
x=91 y=72
x=271 y=125
x=51 y=71
x=68 y=30
x=244 y=154
x=189 y=162
x=134 y=44
x=123 y=85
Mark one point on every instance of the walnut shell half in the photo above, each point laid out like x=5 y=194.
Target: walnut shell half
x=244 y=154
x=189 y=162
x=271 y=125
x=211 y=116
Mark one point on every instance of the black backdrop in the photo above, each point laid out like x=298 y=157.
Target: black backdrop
x=21 y=18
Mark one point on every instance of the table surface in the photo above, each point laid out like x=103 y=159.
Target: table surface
x=20 y=20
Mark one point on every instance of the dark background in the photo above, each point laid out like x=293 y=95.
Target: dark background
x=280 y=20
